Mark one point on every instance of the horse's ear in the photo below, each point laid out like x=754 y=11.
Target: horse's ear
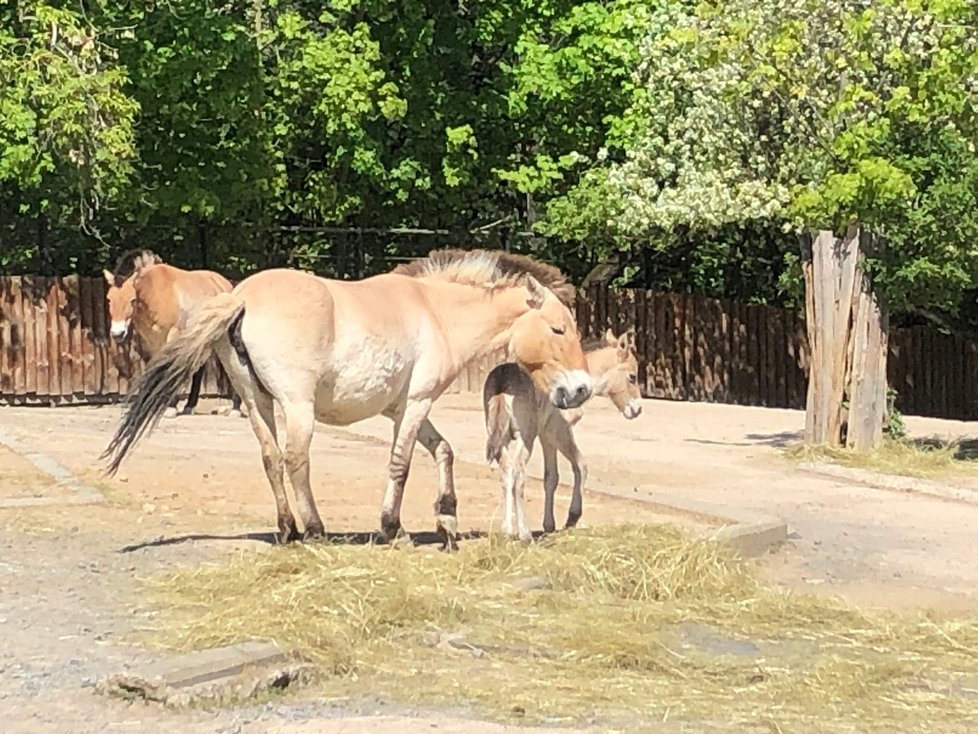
x=109 y=278
x=536 y=293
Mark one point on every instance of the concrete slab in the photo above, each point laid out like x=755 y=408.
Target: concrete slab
x=750 y=540
x=892 y=482
x=81 y=493
x=232 y=672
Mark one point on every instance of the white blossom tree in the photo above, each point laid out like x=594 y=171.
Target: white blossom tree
x=841 y=119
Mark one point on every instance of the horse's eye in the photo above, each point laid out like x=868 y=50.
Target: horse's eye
x=559 y=330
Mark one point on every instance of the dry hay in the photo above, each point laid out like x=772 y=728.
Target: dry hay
x=580 y=625
x=923 y=459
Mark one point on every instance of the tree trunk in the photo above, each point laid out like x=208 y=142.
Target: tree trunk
x=847 y=333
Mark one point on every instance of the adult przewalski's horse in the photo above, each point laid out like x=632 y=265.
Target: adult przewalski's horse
x=342 y=351
x=517 y=414
x=154 y=300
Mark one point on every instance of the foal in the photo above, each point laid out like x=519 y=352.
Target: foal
x=517 y=413
x=154 y=300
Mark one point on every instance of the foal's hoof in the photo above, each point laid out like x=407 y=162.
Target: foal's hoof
x=234 y=414
x=447 y=528
x=170 y=413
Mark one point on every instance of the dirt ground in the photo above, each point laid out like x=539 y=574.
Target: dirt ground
x=194 y=491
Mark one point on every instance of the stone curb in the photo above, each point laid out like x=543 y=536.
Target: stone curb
x=82 y=494
x=891 y=482
x=232 y=672
x=749 y=534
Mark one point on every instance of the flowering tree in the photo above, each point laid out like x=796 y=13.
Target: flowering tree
x=850 y=122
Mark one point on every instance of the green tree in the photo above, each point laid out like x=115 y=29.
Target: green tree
x=66 y=123
x=853 y=118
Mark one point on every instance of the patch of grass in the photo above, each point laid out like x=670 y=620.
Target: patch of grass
x=596 y=639
x=924 y=459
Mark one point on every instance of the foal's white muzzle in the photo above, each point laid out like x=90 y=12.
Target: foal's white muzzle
x=571 y=389
x=119 y=330
x=633 y=409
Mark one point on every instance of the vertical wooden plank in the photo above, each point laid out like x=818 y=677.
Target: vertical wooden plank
x=87 y=316
x=641 y=339
x=912 y=336
x=613 y=307
x=65 y=353
x=720 y=350
x=17 y=352
x=672 y=345
x=50 y=328
x=72 y=289
x=698 y=329
x=6 y=339
x=738 y=346
x=34 y=365
x=688 y=346
x=778 y=356
x=941 y=367
x=108 y=380
x=653 y=345
x=755 y=353
x=582 y=307
x=793 y=376
x=42 y=307
x=971 y=370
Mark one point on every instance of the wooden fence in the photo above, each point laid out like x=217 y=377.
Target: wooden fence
x=55 y=347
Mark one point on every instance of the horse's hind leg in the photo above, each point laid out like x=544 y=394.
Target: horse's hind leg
x=446 y=517
x=194 y=395
x=261 y=413
x=300 y=420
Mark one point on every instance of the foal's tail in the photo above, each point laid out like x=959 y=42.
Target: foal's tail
x=150 y=395
x=499 y=421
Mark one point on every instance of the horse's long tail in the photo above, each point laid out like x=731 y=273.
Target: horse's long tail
x=150 y=395
x=499 y=421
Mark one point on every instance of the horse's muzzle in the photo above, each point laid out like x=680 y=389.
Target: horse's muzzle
x=574 y=390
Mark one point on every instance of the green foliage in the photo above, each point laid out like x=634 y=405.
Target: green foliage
x=814 y=113
x=66 y=122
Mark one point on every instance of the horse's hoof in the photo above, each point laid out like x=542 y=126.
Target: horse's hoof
x=314 y=532
x=234 y=414
x=572 y=521
x=549 y=527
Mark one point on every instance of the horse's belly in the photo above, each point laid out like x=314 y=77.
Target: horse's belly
x=362 y=386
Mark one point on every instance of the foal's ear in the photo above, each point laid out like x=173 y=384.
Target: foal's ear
x=536 y=293
x=626 y=343
x=109 y=278
x=609 y=338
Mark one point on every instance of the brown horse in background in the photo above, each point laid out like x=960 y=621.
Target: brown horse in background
x=517 y=414
x=152 y=300
x=342 y=351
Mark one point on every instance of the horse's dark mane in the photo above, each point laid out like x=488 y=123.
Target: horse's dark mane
x=489 y=267
x=133 y=261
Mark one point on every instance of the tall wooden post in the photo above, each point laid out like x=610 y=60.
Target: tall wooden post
x=847 y=331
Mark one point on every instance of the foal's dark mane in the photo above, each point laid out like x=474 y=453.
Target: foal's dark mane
x=489 y=267
x=132 y=261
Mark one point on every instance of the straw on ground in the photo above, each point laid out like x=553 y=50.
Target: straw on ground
x=603 y=632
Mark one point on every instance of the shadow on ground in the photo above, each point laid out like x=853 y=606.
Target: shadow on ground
x=778 y=440
x=351 y=538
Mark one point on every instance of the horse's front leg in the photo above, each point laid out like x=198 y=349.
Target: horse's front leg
x=446 y=505
x=406 y=427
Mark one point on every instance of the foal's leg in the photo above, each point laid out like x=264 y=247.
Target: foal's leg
x=446 y=514
x=550 y=479
x=568 y=447
x=406 y=427
x=521 y=455
x=300 y=421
